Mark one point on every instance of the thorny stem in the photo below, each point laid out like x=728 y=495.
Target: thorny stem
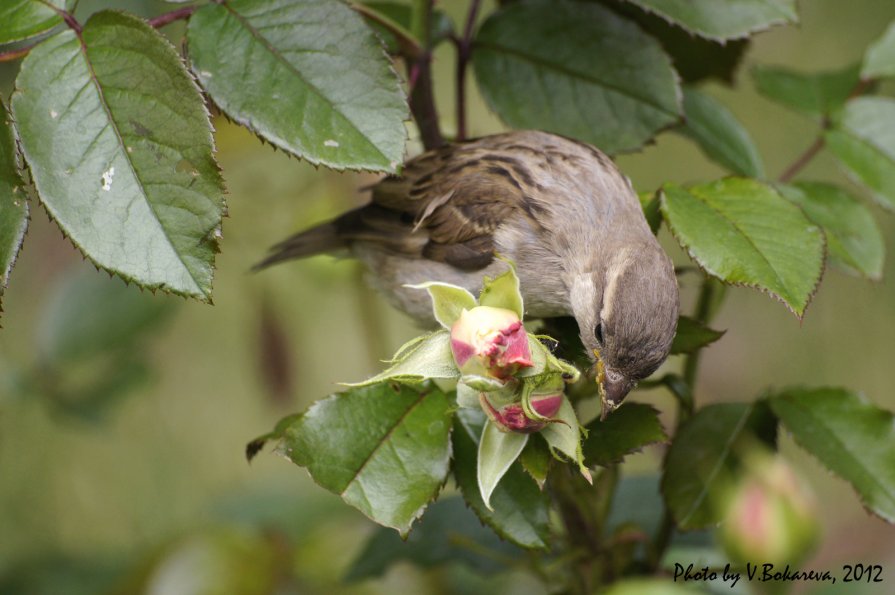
x=464 y=53
x=583 y=509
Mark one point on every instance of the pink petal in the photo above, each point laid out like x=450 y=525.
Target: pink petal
x=462 y=351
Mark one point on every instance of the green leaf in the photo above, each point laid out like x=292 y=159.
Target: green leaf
x=89 y=315
x=21 y=19
x=879 y=60
x=591 y=75
x=430 y=357
x=864 y=141
x=723 y=20
x=400 y=16
x=384 y=451
x=854 y=241
x=705 y=454
x=308 y=76
x=692 y=335
x=13 y=202
x=718 y=133
x=497 y=451
x=694 y=58
x=447 y=534
x=503 y=292
x=742 y=232
x=119 y=145
x=448 y=301
x=626 y=430
x=850 y=436
x=817 y=94
x=520 y=509
x=565 y=436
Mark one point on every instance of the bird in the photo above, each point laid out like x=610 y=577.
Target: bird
x=556 y=207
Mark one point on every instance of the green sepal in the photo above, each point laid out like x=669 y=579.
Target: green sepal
x=497 y=451
x=467 y=397
x=503 y=291
x=448 y=301
x=423 y=359
x=566 y=436
x=483 y=383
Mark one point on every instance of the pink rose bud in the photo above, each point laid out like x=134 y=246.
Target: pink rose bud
x=512 y=418
x=770 y=517
x=490 y=342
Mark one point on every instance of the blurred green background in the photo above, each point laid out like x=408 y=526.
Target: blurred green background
x=107 y=490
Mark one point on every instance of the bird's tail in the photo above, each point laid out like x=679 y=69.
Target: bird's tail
x=317 y=240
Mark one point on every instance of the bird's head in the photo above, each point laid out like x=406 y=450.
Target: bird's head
x=627 y=313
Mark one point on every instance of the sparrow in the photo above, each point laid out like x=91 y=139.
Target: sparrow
x=558 y=208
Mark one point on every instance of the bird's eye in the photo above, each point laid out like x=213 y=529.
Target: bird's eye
x=598 y=333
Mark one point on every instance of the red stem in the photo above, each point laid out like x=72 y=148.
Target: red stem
x=169 y=17
x=811 y=152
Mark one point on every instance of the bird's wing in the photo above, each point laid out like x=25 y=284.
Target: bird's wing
x=447 y=204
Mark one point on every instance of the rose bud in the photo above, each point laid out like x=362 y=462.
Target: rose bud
x=512 y=417
x=490 y=341
x=770 y=517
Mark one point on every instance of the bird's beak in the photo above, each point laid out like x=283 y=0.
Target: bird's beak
x=613 y=387
x=612 y=393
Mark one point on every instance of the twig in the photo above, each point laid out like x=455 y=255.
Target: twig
x=811 y=152
x=802 y=160
x=464 y=53
x=169 y=17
